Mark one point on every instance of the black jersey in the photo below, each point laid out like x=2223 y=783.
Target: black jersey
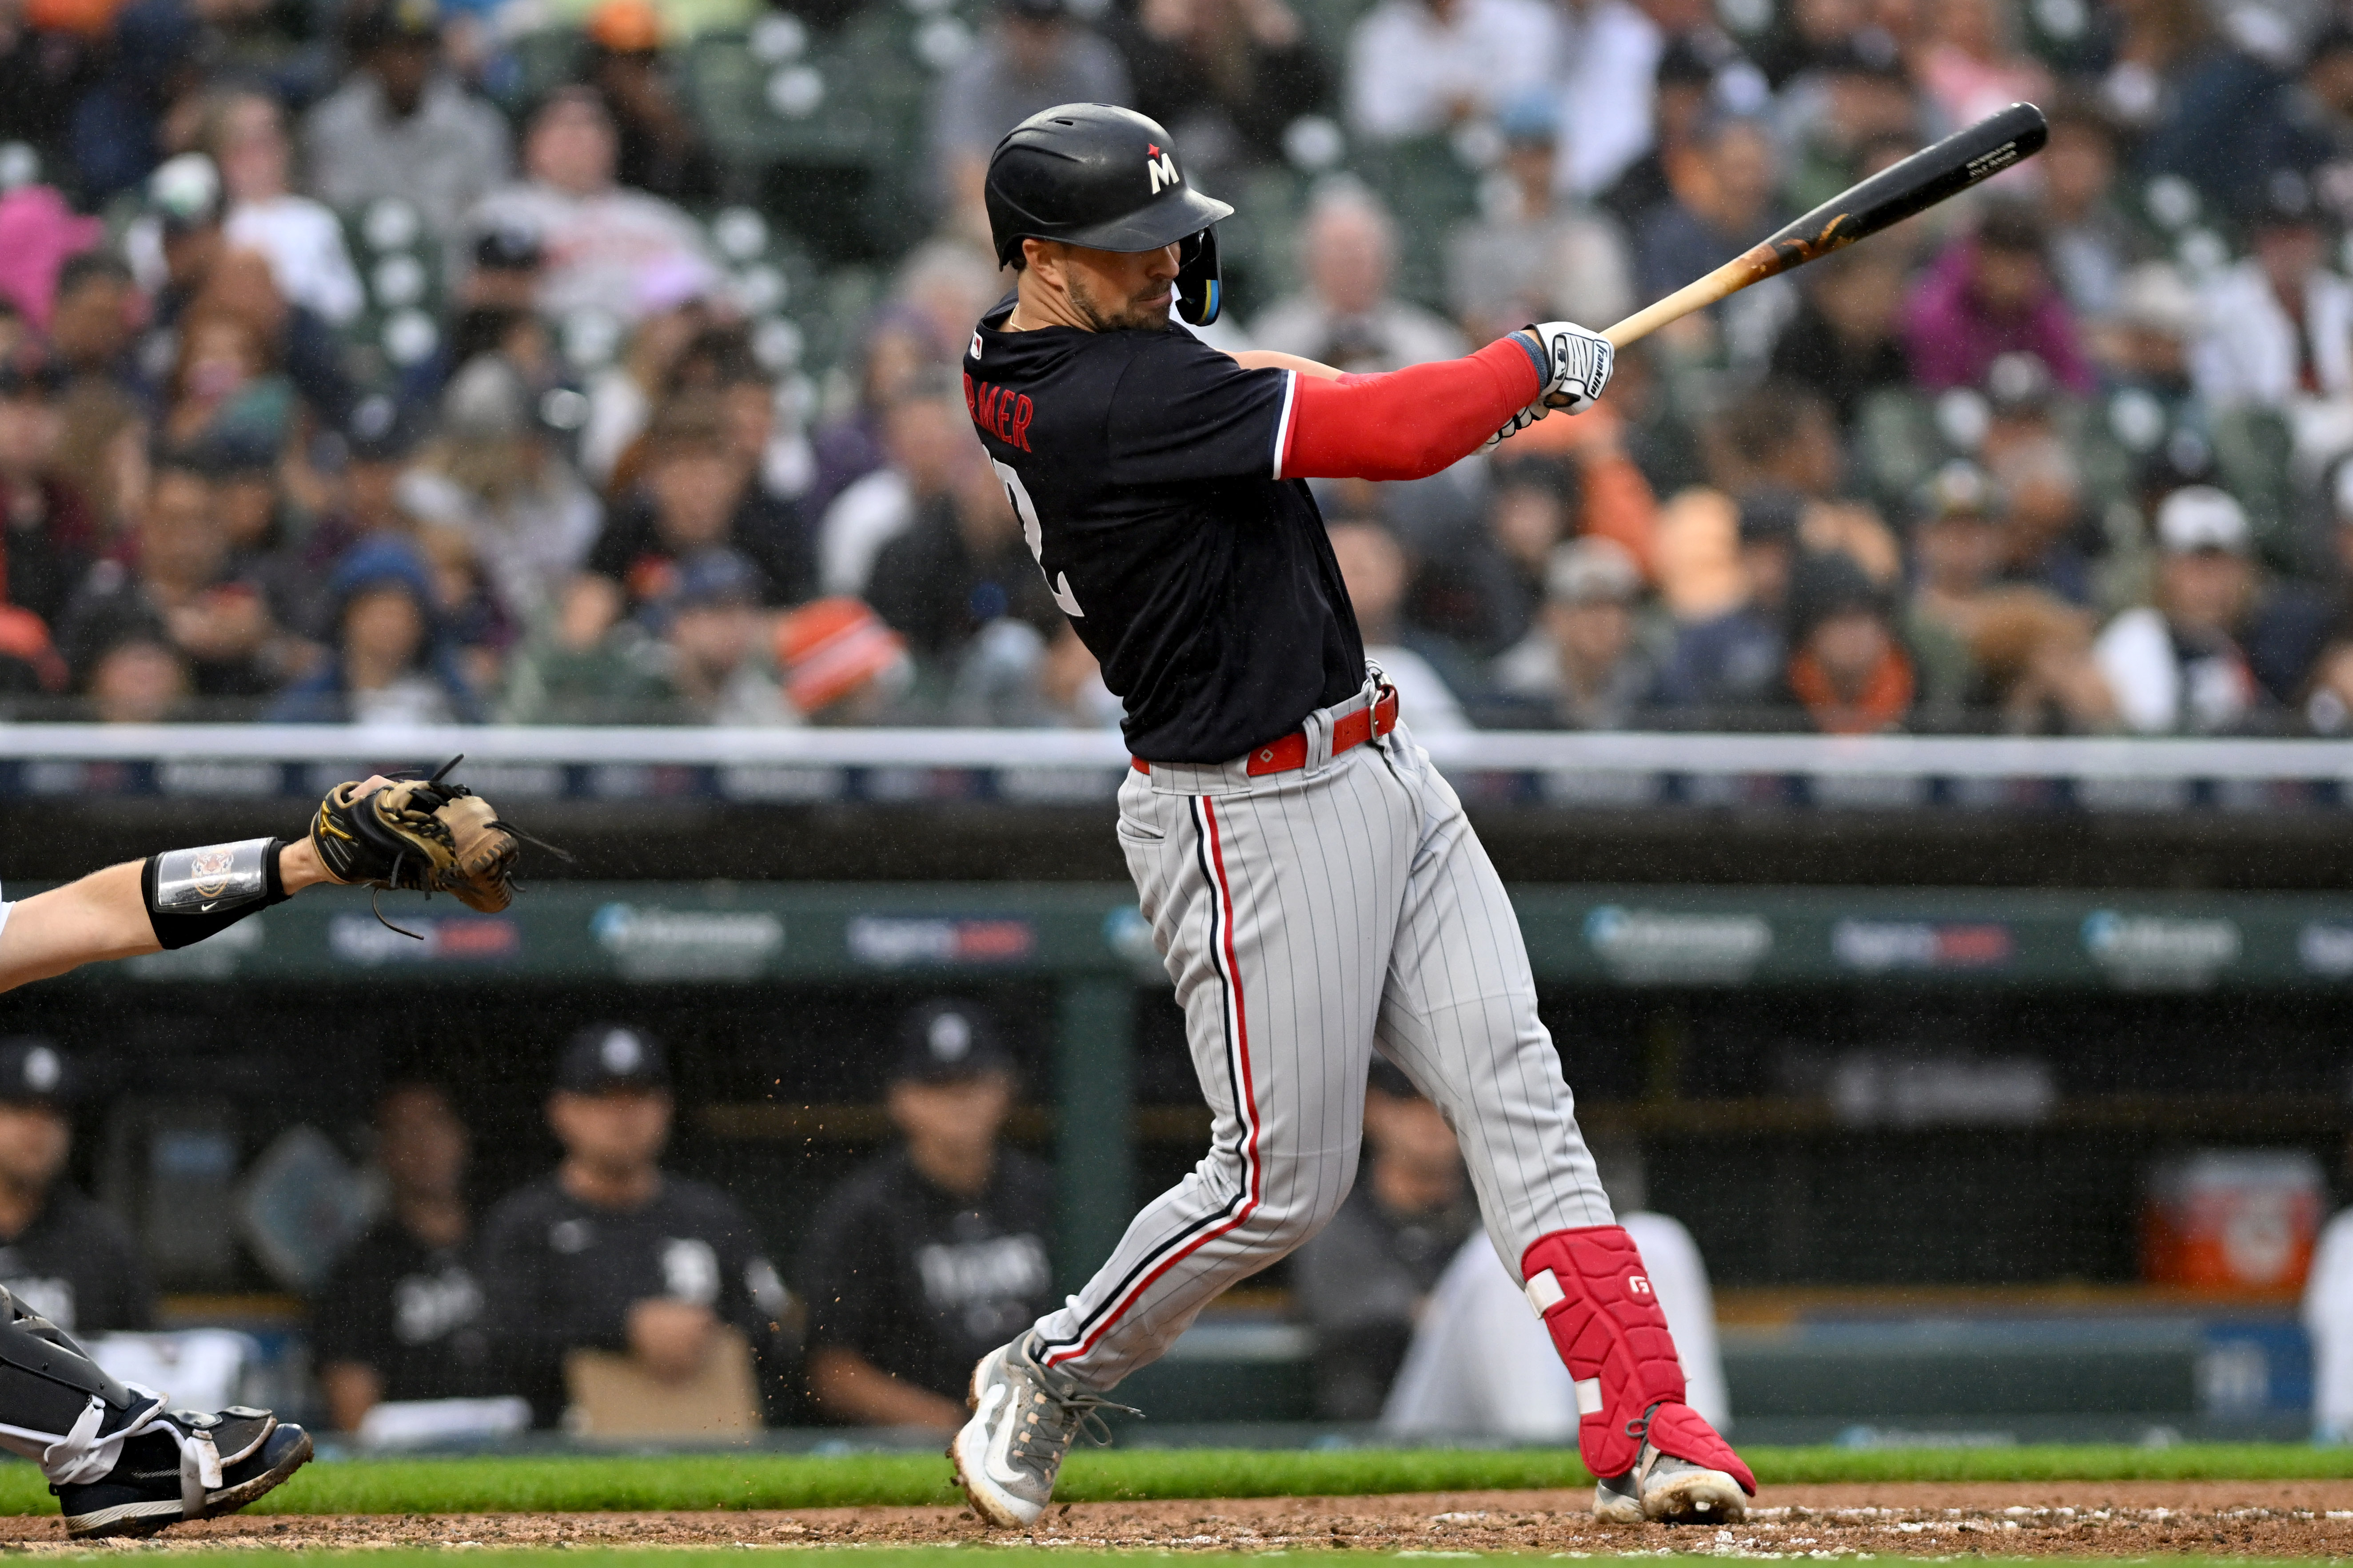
x=560 y=1275
x=75 y=1264
x=410 y=1312
x=1145 y=468
x=924 y=1283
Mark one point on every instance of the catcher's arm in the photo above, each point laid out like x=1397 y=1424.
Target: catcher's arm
x=113 y=913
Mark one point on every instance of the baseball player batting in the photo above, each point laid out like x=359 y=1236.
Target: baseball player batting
x=121 y=1463
x=1310 y=881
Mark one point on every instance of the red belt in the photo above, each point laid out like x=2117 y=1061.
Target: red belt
x=1348 y=732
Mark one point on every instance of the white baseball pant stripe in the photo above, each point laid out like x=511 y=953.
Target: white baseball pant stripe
x=1305 y=916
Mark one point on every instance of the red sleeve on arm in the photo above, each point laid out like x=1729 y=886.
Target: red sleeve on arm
x=1408 y=424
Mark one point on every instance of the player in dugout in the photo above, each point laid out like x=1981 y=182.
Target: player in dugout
x=935 y=1251
x=1314 y=888
x=62 y=1256
x=397 y=1328
x=119 y=1461
x=611 y=1252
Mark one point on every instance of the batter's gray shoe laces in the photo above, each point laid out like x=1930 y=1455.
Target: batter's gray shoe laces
x=1023 y=1418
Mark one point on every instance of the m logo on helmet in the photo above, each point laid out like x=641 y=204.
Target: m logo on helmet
x=1162 y=167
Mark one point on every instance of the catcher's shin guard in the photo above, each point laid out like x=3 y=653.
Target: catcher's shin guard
x=57 y=1407
x=1589 y=1287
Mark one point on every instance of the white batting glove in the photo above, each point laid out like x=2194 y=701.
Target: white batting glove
x=1580 y=359
x=1517 y=423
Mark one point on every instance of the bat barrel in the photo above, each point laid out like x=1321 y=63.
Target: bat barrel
x=1968 y=157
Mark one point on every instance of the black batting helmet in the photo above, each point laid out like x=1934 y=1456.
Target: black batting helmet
x=1106 y=178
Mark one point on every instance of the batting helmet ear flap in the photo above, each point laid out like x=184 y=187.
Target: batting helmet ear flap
x=1200 y=293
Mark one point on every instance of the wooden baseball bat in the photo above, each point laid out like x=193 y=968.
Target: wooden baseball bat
x=1964 y=159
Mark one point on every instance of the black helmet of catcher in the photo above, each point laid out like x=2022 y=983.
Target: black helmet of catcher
x=1106 y=178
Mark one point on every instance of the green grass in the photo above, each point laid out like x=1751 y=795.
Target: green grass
x=1015 y=1557
x=592 y=1483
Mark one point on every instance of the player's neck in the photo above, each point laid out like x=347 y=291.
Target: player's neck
x=436 y=1221
x=20 y=1205
x=606 y=1187
x=1036 y=305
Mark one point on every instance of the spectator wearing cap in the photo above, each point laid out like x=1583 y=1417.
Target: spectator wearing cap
x=497 y=474
x=1419 y=68
x=243 y=466
x=1582 y=664
x=2277 y=326
x=1362 y=1280
x=2175 y=666
x=1849 y=672
x=246 y=134
x=1376 y=572
x=701 y=652
x=1842 y=341
x=179 y=248
x=1227 y=76
x=402 y=128
x=927 y=443
x=619 y=253
x=843 y=664
x=1618 y=56
x=62 y=1255
x=610 y=1251
x=662 y=150
x=937 y=1251
x=180 y=593
x=1544 y=258
x=1724 y=180
x=1349 y=315
x=1728 y=663
x=1035 y=55
x=390 y=665
x=699 y=492
x=2092 y=243
x=399 y=1317
x=91 y=331
x=47 y=534
x=1851 y=93
x=1988 y=295
x=960 y=565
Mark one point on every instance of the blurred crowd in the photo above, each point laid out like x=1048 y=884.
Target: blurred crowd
x=359 y=365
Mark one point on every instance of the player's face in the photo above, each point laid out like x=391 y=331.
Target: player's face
x=1115 y=291
x=620 y=1130
x=34 y=1142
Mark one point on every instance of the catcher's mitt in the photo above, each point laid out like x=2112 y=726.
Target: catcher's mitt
x=422 y=834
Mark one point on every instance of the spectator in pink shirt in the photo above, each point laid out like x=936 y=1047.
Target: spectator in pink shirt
x=1990 y=294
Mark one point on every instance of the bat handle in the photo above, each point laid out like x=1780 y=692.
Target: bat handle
x=1697 y=295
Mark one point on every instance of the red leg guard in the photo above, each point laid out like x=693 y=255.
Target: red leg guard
x=1596 y=1300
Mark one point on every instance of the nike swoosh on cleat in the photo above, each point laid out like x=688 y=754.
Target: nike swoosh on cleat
x=1000 y=1439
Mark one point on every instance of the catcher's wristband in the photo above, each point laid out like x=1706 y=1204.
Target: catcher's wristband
x=192 y=893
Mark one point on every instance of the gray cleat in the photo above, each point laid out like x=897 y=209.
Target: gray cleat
x=1023 y=1418
x=1617 y=1499
x=1676 y=1492
x=1664 y=1489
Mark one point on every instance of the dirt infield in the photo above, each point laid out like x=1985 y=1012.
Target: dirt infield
x=2083 y=1518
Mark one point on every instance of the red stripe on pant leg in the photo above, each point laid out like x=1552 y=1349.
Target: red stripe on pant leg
x=1241 y=1018
x=1248 y=1107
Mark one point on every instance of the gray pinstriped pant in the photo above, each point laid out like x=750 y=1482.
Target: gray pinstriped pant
x=1304 y=915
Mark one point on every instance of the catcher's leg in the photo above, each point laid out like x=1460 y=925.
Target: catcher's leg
x=1459 y=1017
x=118 y=1461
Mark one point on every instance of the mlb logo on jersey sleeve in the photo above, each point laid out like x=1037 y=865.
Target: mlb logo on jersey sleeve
x=1161 y=166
